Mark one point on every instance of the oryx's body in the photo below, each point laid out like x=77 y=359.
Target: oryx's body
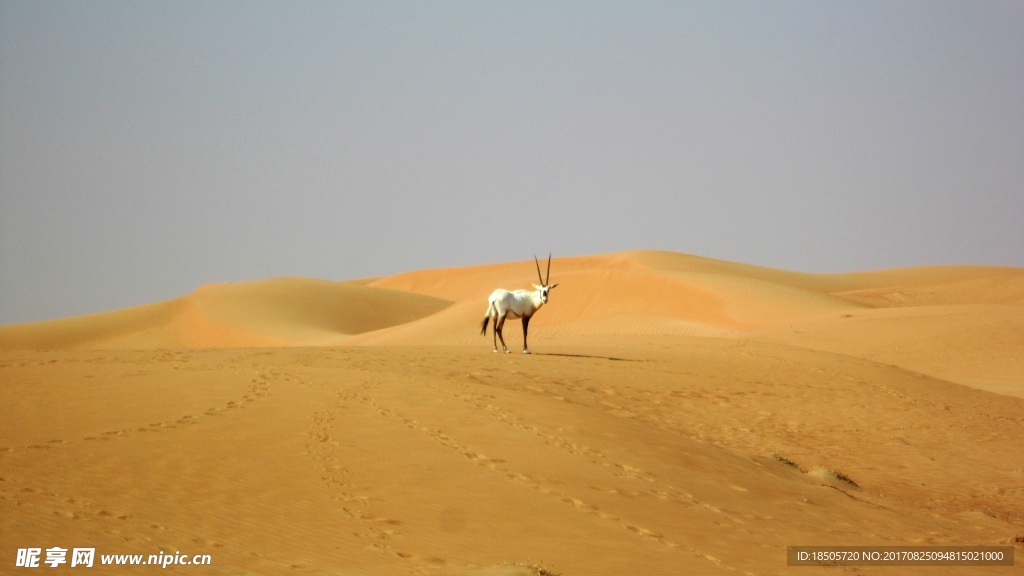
x=519 y=304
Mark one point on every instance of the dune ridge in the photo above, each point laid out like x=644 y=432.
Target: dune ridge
x=621 y=293
x=961 y=323
x=957 y=323
x=275 y=312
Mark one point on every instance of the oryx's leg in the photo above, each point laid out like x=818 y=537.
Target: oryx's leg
x=495 y=334
x=526 y=325
x=498 y=325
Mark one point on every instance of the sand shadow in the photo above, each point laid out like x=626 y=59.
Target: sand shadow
x=612 y=358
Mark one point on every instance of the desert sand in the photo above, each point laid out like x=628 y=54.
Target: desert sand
x=679 y=415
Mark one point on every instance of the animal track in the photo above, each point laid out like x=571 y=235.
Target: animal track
x=258 y=389
x=98 y=516
x=500 y=466
x=322 y=448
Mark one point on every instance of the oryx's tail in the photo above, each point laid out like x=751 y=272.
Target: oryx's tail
x=487 y=318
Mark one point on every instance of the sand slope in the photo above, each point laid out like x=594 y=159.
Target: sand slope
x=628 y=293
x=278 y=312
x=678 y=415
x=624 y=293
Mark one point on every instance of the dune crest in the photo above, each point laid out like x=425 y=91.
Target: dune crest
x=956 y=322
x=264 y=313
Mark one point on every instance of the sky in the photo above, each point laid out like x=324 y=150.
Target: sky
x=150 y=147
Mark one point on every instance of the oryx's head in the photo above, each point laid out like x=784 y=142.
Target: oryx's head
x=544 y=287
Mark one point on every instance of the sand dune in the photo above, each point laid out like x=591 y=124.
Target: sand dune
x=278 y=312
x=629 y=293
x=679 y=415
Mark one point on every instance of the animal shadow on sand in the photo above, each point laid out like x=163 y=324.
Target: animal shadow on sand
x=612 y=358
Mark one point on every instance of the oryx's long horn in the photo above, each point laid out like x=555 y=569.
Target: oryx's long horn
x=549 y=270
x=537 y=262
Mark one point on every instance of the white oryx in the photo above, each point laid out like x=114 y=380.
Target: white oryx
x=518 y=304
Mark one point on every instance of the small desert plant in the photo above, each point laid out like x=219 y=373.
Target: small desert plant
x=841 y=476
x=535 y=568
x=838 y=475
x=786 y=461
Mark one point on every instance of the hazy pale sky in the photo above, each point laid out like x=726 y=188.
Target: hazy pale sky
x=149 y=147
